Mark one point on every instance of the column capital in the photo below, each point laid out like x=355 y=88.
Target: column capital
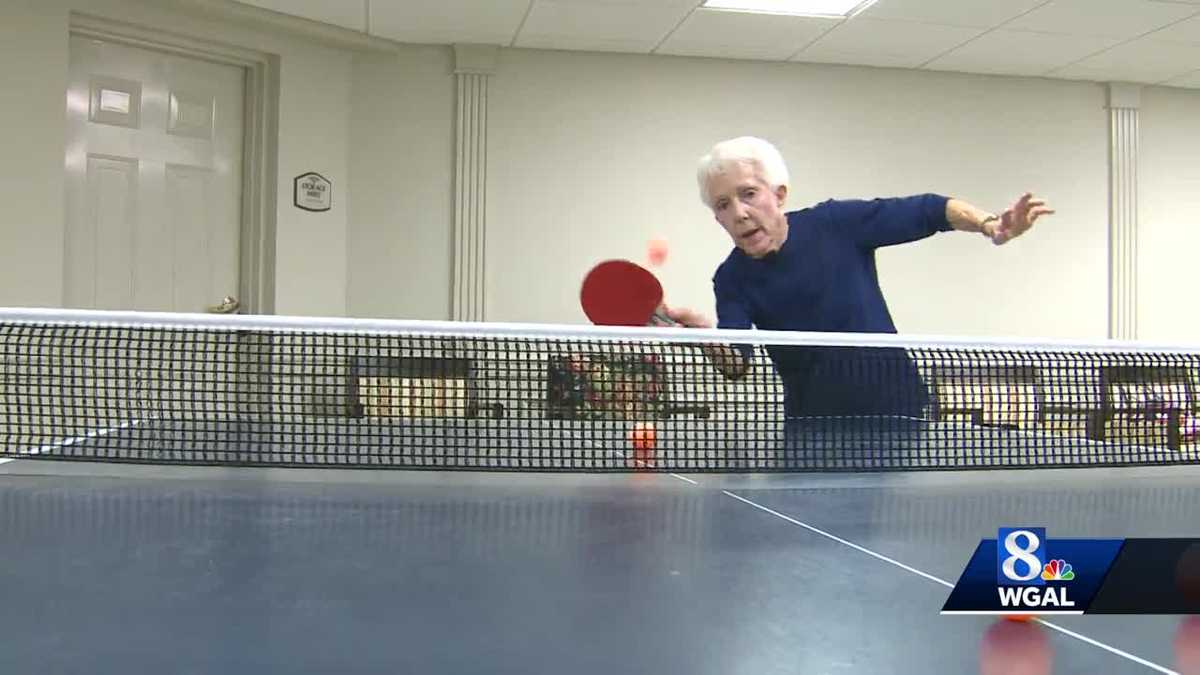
x=475 y=59
x=1124 y=95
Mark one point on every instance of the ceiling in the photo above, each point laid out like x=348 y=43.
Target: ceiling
x=1145 y=41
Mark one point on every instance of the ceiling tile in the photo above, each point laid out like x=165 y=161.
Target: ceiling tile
x=600 y=26
x=1187 y=30
x=742 y=35
x=1074 y=39
x=973 y=13
x=1138 y=61
x=635 y=4
x=1020 y=53
x=350 y=14
x=448 y=21
x=887 y=43
x=1104 y=18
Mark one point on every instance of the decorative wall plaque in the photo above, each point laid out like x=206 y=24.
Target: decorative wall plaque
x=312 y=192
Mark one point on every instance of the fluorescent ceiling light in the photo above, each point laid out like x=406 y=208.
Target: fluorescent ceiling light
x=833 y=8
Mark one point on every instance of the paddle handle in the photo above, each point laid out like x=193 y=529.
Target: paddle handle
x=660 y=318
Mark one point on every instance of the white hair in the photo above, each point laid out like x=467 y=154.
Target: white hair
x=748 y=149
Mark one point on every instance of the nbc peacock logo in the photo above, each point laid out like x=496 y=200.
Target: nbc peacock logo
x=1058 y=570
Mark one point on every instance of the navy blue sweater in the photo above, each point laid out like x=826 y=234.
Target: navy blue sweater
x=824 y=278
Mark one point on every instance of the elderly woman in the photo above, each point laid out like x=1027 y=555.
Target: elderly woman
x=814 y=270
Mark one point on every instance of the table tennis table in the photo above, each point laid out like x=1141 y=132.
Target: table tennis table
x=194 y=569
x=191 y=494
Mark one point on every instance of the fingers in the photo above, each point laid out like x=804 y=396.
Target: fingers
x=1017 y=220
x=679 y=314
x=1027 y=202
x=687 y=317
x=1038 y=212
x=1028 y=209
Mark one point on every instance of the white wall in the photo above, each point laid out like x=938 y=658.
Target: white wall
x=313 y=130
x=401 y=150
x=1169 y=215
x=314 y=106
x=592 y=154
x=986 y=149
x=33 y=76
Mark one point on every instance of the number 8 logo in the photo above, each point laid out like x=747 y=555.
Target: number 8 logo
x=1033 y=566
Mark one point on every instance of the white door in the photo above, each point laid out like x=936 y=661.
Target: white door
x=154 y=179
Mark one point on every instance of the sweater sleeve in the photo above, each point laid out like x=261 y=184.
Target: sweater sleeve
x=890 y=221
x=732 y=312
x=731 y=309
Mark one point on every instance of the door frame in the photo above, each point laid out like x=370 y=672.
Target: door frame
x=256 y=264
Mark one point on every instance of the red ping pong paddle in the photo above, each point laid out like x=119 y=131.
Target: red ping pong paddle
x=623 y=293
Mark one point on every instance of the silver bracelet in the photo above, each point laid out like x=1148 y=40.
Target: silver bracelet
x=985 y=221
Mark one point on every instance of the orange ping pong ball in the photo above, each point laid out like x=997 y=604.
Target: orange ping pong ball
x=642 y=436
x=656 y=251
x=1015 y=648
x=1187 y=646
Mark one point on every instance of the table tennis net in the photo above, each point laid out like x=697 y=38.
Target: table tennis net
x=264 y=391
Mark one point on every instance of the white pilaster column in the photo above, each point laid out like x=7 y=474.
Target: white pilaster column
x=1124 y=100
x=473 y=68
